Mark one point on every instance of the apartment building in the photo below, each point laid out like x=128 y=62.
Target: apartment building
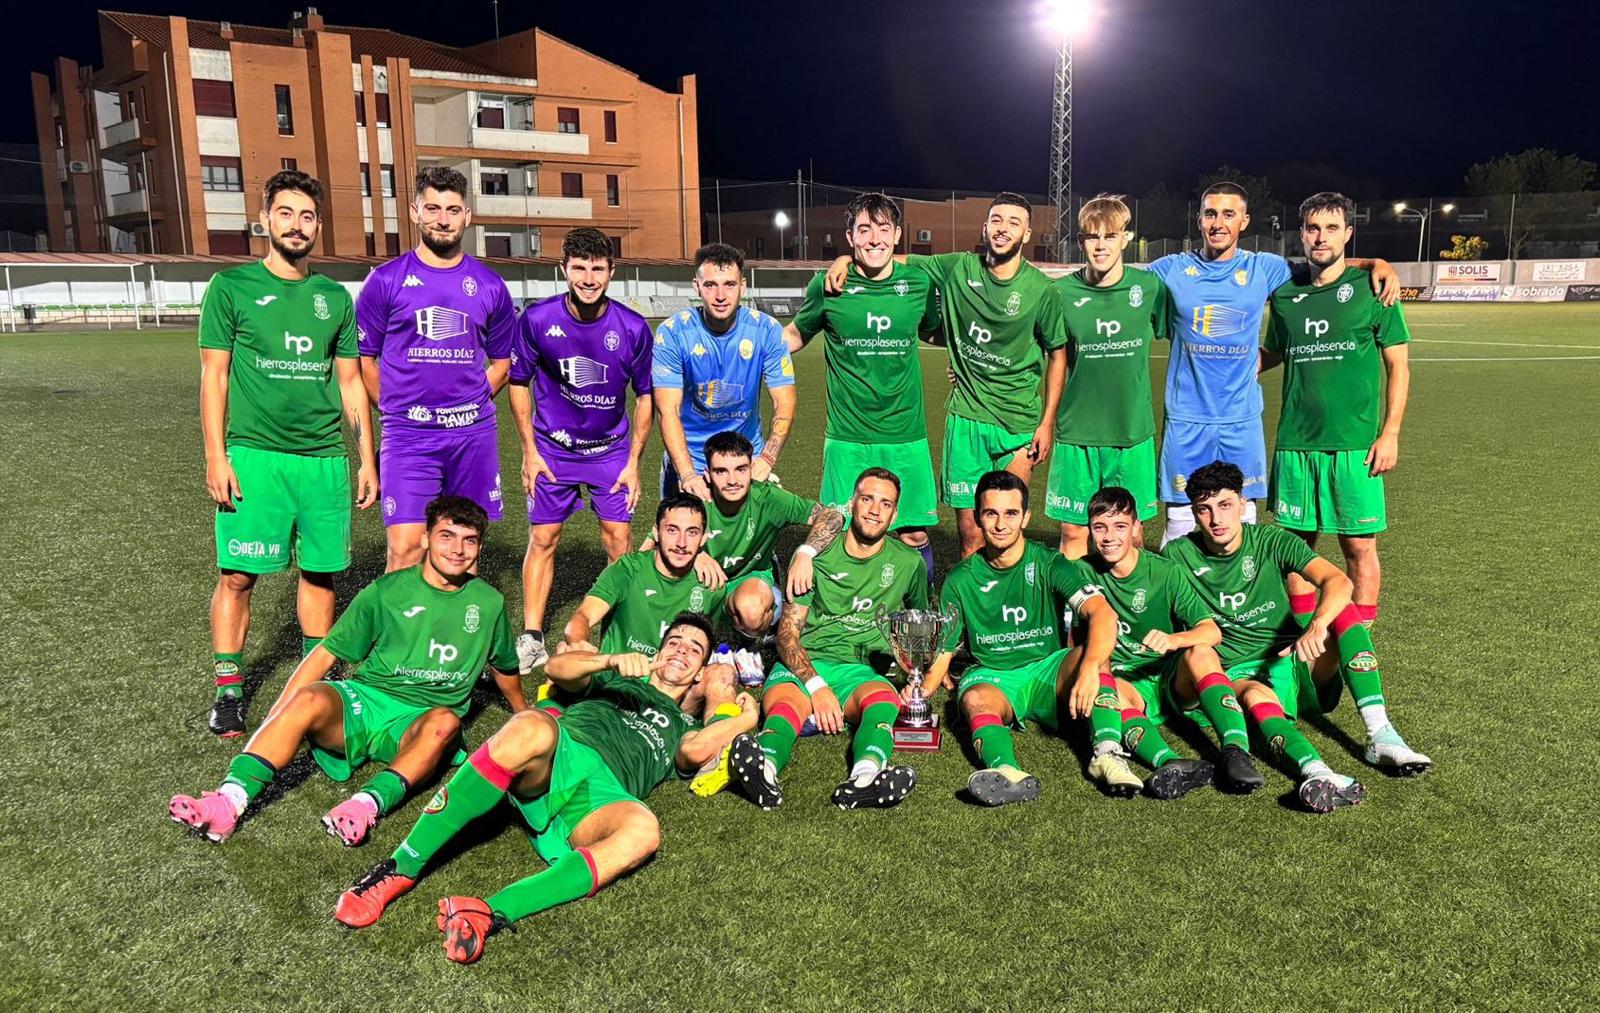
x=165 y=146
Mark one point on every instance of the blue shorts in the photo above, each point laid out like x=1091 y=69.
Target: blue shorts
x=1186 y=446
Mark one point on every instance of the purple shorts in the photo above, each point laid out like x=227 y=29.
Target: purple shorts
x=416 y=468
x=554 y=502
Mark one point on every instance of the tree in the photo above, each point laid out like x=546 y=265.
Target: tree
x=1510 y=181
x=1465 y=248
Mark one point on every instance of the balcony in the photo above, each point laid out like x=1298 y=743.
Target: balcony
x=120 y=138
x=122 y=205
x=526 y=207
x=542 y=141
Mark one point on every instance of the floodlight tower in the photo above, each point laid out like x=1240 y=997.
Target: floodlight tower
x=1066 y=19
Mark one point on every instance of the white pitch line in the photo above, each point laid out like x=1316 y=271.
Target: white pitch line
x=1504 y=344
x=1513 y=358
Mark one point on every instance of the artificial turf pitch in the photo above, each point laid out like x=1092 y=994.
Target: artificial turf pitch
x=1476 y=885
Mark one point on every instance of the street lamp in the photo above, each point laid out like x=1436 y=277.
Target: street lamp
x=1065 y=20
x=1422 y=215
x=781 y=220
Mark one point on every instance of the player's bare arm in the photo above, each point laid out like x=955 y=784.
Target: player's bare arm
x=221 y=483
x=668 y=404
x=510 y=686
x=1269 y=361
x=358 y=415
x=498 y=372
x=701 y=747
x=1204 y=634
x=826 y=524
x=533 y=462
x=573 y=670
x=643 y=410
x=1055 y=379
x=313 y=668
x=370 y=377
x=1385 y=450
x=1096 y=658
x=936 y=678
x=825 y=706
x=575 y=637
x=794 y=338
x=1333 y=595
x=784 y=400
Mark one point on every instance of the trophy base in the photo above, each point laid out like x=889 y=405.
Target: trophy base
x=924 y=738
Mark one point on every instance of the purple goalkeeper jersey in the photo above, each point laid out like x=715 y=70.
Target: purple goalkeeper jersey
x=433 y=332
x=580 y=373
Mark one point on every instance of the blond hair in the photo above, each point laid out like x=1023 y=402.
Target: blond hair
x=1106 y=213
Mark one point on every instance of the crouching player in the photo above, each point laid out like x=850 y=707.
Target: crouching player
x=578 y=782
x=1277 y=669
x=419 y=638
x=1163 y=627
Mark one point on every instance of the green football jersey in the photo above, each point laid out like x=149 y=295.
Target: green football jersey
x=1331 y=338
x=634 y=727
x=1012 y=617
x=421 y=645
x=643 y=602
x=1106 y=402
x=870 y=348
x=283 y=335
x=999 y=332
x=1155 y=596
x=1246 y=589
x=842 y=622
x=742 y=541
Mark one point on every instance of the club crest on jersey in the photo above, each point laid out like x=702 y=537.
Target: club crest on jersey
x=469 y=285
x=1345 y=292
x=1014 y=304
x=750 y=528
x=613 y=341
x=470 y=621
x=1029 y=571
x=1248 y=568
x=319 y=306
x=901 y=287
x=887 y=576
x=747 y=348
x=1241 y=277
x=1136 y=296
x=697 y=600
x=1139 y=604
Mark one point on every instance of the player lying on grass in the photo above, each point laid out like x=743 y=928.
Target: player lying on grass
x=1278 y=669
x=1162 y=628
x=577 y=781
x=832 y=657
x=418 y=638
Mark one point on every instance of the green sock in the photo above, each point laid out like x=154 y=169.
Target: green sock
x=1221 y=707
x=1283 y=736
x=308 y=644
x=874 y=738
x=568 y=878
x=1144 y=739
x=251 y=773
x=228 y=666
x=1105 y=717
x=722 y=713
x=1358 y=662
x=993 y=741
x=388 y=789
x=778 y=733
x=477 y=786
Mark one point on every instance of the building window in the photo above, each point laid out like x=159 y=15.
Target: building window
x=361 y=109
x=218 y=173
x=613 y=191
x=494 y=181
x=386 y=179
x=133 y=106
x=285 y=109
x=291 y=164
x=381 y=108
x=213 y=98
x=572 y=184
x=366 y=181
x=496 y=244
x=566 y=120
x=616 y=246
x=228 y=244
x=492 y=113
x=391 y=244
x=372 y=245
x=758 y=247
x=611 y=126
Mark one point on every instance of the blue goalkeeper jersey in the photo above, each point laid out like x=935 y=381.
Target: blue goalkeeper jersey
x=721 y=374
x=1217 y=307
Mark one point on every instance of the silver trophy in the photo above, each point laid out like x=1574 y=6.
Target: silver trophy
x=917 y=637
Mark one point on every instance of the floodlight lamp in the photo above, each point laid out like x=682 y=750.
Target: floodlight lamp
x=1448 y=208
x=781 y=220
x=1399 y=206
x=1068 y=19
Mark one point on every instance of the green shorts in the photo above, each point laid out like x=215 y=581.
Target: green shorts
x=912 y=463
x=1078 y=472
x=1030 y=689
x=1290 y=680
x=766 y=576
x=971 y=450
x=580 y=783
x=374 y=723
x=1327 y=491
x=843 y=677
x=1151 y=687
x=284 y=496
x=1152 y=679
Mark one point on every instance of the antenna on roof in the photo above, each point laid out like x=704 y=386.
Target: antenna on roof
x=496 y=5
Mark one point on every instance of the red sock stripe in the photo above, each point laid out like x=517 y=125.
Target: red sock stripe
x=552 y=710
x=492 y=772
x=1265 y=712
x=1131 y=715
x=882 y=696
x=981 y=721
x=1346 y=618
x=1108 y=681
x=1214 y=679
x=1300 y=604
x=1368 y=613
x=785 y=713
x=594 y=872
x=229 y=680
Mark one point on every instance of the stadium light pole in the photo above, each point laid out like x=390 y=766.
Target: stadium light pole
x=1402 y=212
x=1066 y=20
x=781 y=220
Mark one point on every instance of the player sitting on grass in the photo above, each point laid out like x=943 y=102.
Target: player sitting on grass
x=832 y=656
x=577 y=781
x=1276 y=668
x=419 y=639
x=1163 y=628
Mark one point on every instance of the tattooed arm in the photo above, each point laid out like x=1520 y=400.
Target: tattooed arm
x=358 y=413
x=826 y=523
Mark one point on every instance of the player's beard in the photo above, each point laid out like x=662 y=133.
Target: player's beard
x=865 y=540
x=292 y=256
x=1000 y=259
x=440 y=247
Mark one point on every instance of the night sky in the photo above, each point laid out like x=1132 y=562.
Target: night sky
x=948 y=94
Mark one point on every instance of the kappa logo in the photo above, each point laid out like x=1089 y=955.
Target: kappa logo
x=1345 y=292
x=414 y=611
x=319 y=306
x=265 y=299
x=1014 y=304
x=1191 y=271
x=469 y=285
x=471 y=620
x=1299 y=297
x=1080 y=303
x=901 y=287
x=1136 y=296
x=698 y=349
x=986 y=588
x=554 y=331
x=580 y=371
x=612 y=341
x=412 y=281
x=887 y=576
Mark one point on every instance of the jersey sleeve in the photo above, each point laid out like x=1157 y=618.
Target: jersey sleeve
x=345 y=345
x=1290 y=553
x=1070 y=583
x=500 y=329
x=503 y=648
x=917 y=593
x=356 y=631
x=930 y=311
x=372 y=316
x=1049 y=323
x=522 y=350
x=1188 y=608
x=1161 y=311
x=666 y=359
x=613 y=582
x=217 y=321
x=1161 y=267
x=777 y=369
x=1274 y=270
x=950 y=602
x=1277 y=337
x=937 y=266
x=812 y=315
x=788 y=508
x=639 y=368
x=1389 y=325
